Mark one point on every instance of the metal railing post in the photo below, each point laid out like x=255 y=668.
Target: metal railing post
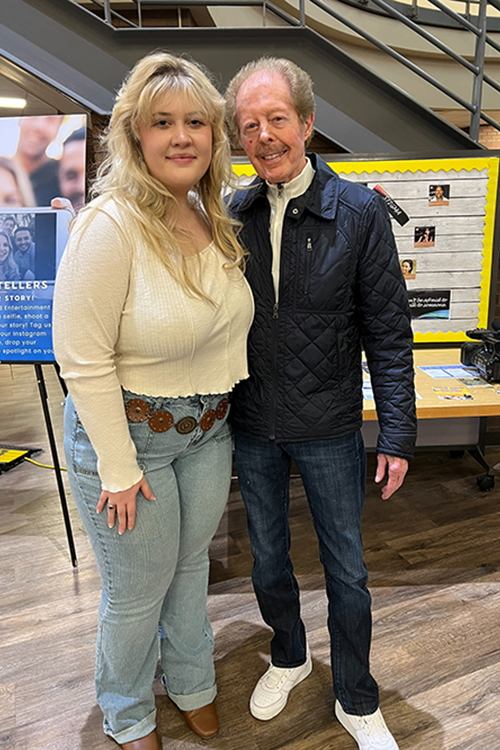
x=477 y=87
x=302 y=6
x=107 y=12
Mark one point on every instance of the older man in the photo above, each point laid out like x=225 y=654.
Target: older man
x=326 y=279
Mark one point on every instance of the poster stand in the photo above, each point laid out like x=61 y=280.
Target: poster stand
x=55 y=457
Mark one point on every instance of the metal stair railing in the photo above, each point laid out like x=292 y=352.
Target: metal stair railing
x=479 y=30
x=476 y=68
x=109 y=13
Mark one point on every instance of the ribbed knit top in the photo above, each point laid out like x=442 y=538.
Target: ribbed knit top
x=122 y=321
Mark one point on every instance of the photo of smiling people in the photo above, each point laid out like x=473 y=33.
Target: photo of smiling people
x=409 y=268
x=17 y=246
x=424 y=236
x=28 y=252
x=42 y=158
x=439 y=195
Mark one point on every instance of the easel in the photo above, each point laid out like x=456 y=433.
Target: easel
x=55 y=458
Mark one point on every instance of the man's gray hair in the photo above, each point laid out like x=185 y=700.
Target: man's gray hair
x=300 y=82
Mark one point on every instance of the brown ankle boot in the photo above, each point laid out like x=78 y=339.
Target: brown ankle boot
x=150 y=742
x=203 y=721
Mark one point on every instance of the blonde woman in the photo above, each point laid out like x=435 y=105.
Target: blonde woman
x=9 y=269
x=150 y=323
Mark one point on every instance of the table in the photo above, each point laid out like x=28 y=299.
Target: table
x=459 y=425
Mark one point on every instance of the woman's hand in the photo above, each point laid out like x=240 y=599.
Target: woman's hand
x=123 y=504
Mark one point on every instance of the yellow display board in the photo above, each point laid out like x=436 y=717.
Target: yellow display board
x=443 y=216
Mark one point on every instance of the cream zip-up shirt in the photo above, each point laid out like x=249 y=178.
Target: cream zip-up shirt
x=122 y=321
x=279 y=195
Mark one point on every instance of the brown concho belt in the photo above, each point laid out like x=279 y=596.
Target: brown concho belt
x=162 y=420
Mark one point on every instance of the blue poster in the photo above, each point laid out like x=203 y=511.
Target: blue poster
x=29 y=257
x=41 y=158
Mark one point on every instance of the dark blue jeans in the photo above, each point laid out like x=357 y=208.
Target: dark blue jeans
x=334 y=475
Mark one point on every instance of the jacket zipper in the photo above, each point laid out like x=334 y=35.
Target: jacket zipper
x=274 y=354
x=307 y=274
x=274 y=365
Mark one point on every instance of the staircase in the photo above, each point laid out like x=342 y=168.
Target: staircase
x=359 y=112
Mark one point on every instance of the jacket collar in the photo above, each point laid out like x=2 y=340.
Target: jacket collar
x=323 y=195
x=244 y=198
x=321 y=198
x=287 y=191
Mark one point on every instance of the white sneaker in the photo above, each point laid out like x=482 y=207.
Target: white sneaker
x=370 y=731
x=271 y=692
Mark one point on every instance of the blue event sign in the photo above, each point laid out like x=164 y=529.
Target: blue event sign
x=30 y=252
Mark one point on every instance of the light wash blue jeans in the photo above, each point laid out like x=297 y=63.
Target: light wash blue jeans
x=158 y=572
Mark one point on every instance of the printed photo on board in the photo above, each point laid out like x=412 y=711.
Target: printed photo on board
x=439 y=195
x=27 y=246
x=409 y=268
x=17 y=247
x=424 y=236
x=42 y=158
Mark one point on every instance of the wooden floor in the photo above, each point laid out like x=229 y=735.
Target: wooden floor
x=433 y=552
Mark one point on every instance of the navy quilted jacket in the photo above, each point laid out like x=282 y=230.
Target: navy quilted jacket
x=341 y=289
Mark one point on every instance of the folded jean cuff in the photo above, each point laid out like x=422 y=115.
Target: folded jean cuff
x=195 y=700
x=135 y=732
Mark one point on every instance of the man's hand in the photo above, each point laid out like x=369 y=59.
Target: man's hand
x=396 y=468
x=122 y=504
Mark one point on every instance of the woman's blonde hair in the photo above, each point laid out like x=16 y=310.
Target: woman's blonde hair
x=125 y=176
x=9 y=264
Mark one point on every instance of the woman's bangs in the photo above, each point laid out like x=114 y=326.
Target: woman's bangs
x=171 y=86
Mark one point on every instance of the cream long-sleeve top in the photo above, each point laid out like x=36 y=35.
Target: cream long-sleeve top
x=121 y=321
